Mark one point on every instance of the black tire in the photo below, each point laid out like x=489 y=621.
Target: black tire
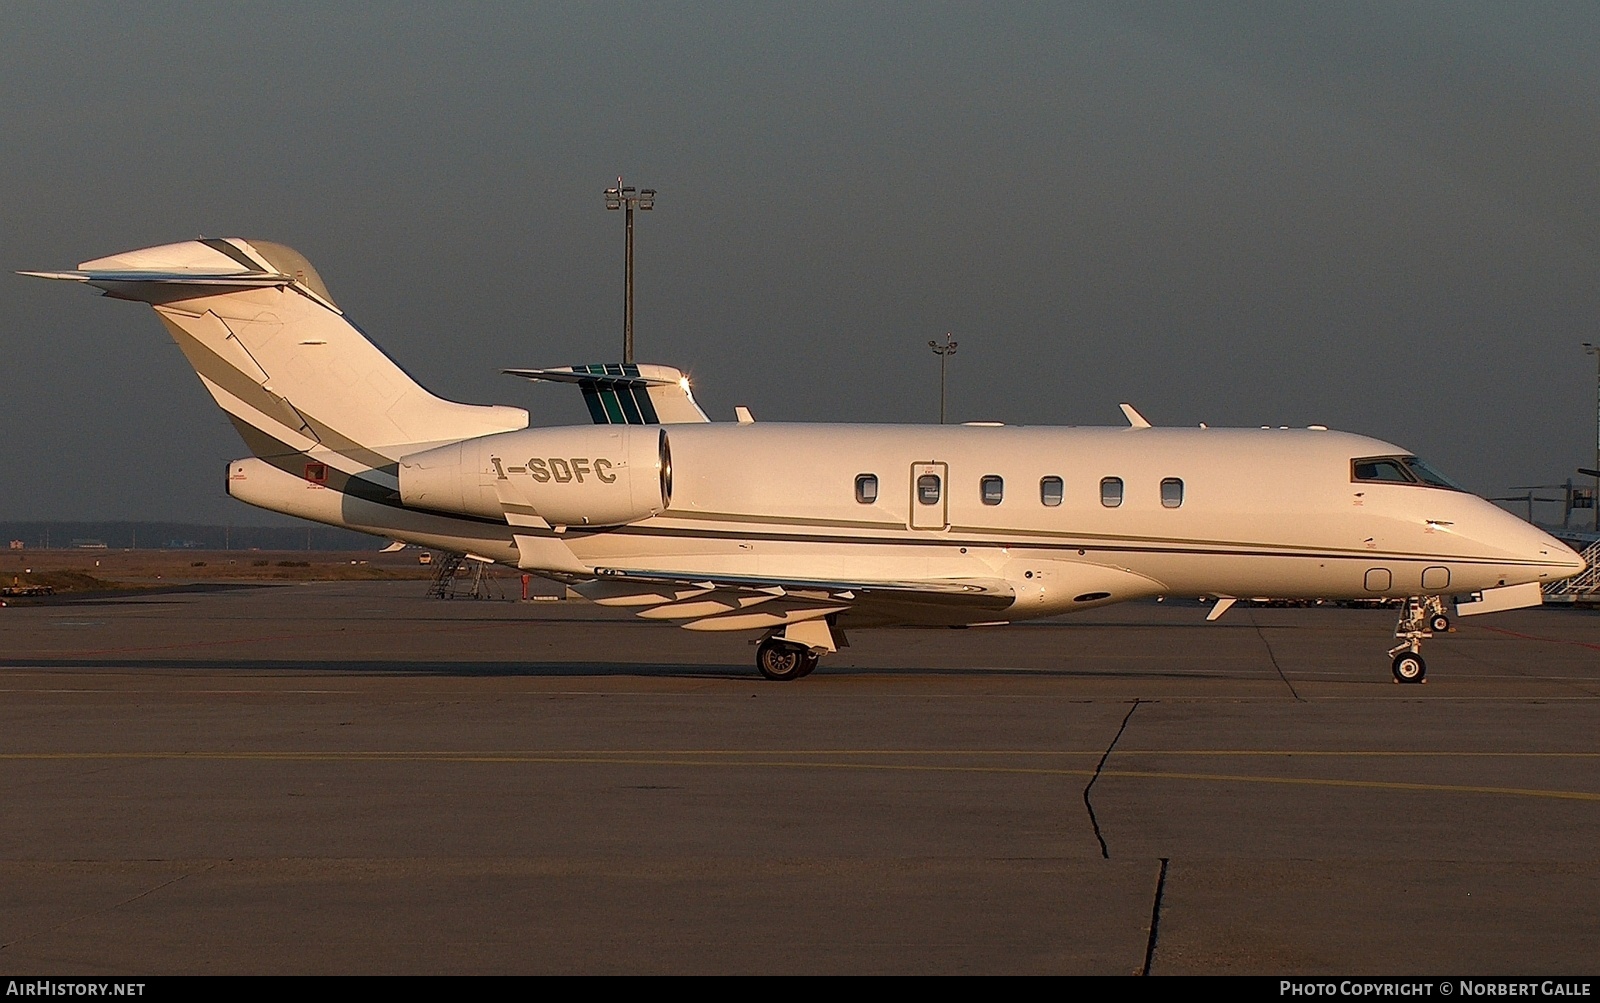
x=782 y=661
x=812 y=661
x=1409 y=668
x=1439 y=623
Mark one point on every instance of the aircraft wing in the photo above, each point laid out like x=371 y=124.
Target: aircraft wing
x=625 y=393
x=748 y=602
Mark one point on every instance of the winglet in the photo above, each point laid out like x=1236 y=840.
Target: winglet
x=1224 y=604
x=743 y=415
x=1135 y=419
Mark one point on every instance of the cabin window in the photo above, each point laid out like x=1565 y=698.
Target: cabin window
x=1111 y=492
x=1050 y=491
x=928 y=489
x=867 y=488
x=992 y=488
x=1171 y=492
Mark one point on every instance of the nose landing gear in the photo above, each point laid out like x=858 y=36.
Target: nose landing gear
x=1421 y=617
x=1408 y=667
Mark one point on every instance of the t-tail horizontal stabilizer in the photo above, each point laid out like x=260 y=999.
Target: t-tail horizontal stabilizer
x=627 y=394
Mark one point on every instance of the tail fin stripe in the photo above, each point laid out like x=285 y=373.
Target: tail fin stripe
x=251 y=402
x=630 y=408
x=647 y=408
x=281 y=438
x=597 y=410
x=221 y=374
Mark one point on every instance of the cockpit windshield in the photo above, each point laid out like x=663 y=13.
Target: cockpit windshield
x=1398 y=470
x=1429 y=476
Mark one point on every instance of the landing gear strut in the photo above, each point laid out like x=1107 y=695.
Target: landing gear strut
x=1421 y=617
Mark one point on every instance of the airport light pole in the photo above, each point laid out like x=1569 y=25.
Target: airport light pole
x=628 y=198
x=1594 y=350
x=943 y=352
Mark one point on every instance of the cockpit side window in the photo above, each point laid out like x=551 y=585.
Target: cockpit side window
x=1398 y=470
x=1386 y=469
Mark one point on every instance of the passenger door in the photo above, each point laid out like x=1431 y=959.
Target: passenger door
x=929 y=496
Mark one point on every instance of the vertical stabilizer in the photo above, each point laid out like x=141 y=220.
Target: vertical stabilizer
x=260 y=328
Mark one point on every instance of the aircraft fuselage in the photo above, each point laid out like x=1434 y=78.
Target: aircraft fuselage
x=1070 y=517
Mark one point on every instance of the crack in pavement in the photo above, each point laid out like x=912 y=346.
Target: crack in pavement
x=1105 y=852
x=110 y=908
x=1273 y=658
x=1155 y=917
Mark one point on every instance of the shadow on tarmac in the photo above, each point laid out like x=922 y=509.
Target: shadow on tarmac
x=457 y=669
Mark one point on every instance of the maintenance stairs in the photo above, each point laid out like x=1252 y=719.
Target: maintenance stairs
x=1581 y=590
x=452 y=581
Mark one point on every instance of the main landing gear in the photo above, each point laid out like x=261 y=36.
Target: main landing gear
x=1421 y=617
x=794 y=651
x=784 y=660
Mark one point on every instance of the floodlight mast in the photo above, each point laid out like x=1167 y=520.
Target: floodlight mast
x=628 y=198
x=943 y=352
x=1594 y=350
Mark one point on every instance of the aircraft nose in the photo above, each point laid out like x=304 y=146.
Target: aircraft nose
x=1562 y=560
x=1576 y=562
x=1543 y=557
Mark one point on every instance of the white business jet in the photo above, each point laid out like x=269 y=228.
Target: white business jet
x=799 y=531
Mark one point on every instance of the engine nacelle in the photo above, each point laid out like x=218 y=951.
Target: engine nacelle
x=601 y=475
x=458 y=478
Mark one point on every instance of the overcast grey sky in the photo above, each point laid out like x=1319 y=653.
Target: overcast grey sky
x=1380 y=217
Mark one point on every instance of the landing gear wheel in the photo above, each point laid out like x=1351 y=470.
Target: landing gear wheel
x=812 y=659
x=782 y=661
x=1409 y=667
x=1439 y=623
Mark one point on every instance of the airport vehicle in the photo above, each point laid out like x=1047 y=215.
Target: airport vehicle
x=797 y=532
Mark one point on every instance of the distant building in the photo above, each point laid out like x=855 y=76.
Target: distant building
x=89 y=544
x=16 y=544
